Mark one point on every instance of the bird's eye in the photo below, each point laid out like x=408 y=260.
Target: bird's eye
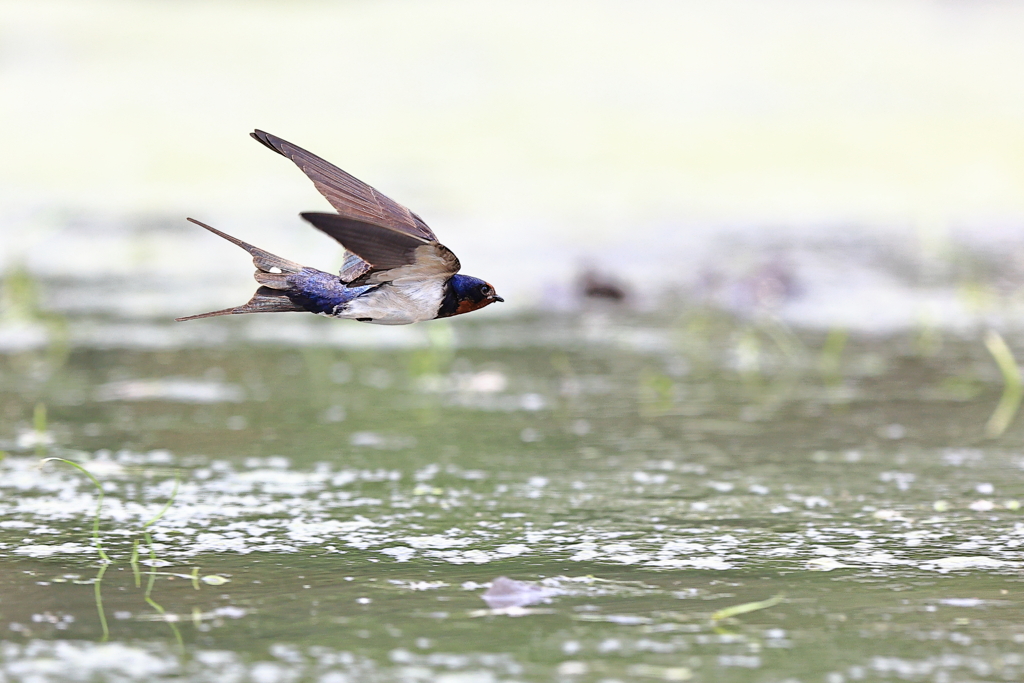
x=486 y=290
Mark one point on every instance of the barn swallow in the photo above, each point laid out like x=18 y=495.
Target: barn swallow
x=395 y=271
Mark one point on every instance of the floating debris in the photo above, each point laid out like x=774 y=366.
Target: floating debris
x=505 y=592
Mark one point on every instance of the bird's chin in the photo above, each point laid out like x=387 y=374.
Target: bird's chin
x=468 y=305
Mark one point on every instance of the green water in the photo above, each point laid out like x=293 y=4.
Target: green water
x=342 y=508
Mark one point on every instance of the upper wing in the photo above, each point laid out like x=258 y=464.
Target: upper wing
x=351 y=197
x=390 y=253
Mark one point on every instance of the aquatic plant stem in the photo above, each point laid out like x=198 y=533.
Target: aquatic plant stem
x=99 y=505
x=152 y=561
x=1009 y=402
x=746 y=607
x=97 y=591
x=98 y=584
x=159 y=608
x=134 y=562
x=167 y=506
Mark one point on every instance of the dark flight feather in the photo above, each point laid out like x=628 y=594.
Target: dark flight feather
x=383 y=248
x=263 y=260
x=265 y=300
x=351 y=197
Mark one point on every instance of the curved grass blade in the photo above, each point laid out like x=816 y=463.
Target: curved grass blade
x=167 y=506
x=152 y=557
x=98 y=584
x=159 y=608
x=99 y=504
x=747 y=607
x=96 y=587
x=134 y=562
x=1009 y=402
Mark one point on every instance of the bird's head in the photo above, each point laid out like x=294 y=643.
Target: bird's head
x=464 y=294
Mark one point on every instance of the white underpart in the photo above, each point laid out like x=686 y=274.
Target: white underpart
x=397 y=304
x=409 y=294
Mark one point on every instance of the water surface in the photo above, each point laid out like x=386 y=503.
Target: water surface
x=341 y=508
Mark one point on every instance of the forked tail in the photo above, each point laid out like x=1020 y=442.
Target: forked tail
x=271 y=272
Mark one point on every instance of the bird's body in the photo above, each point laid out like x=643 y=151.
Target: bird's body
x=395 y=271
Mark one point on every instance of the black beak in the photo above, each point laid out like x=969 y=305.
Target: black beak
x=497 y=298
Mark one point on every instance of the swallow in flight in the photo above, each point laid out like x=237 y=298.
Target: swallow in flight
x=395 y=271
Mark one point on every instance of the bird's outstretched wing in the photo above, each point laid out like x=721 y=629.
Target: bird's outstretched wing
x=390 y=253
x=351 y=197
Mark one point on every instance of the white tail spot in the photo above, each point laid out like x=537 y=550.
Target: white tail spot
x=275 y=269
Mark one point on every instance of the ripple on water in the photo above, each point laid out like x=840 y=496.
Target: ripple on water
x=388 y=514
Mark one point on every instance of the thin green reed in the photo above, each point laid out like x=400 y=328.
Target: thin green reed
x=747 y=607
x=97 y=584
x=1009 y=402
x=99 y=505
x=152 y=560
x=134 y=561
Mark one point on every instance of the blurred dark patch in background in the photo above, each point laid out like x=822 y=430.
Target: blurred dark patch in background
x=777 y=156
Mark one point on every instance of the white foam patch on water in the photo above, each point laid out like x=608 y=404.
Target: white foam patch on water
x=267 y=506
x=41 y=661
x=963 y=602
x=74 y=661
x=950 y=564
x=175 y=389
x=48 y=550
